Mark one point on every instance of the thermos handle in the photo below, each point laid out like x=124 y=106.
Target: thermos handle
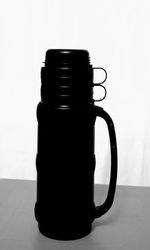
x=102 y=209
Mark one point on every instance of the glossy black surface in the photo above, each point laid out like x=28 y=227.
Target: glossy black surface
x=65 y=159
x=65 y=171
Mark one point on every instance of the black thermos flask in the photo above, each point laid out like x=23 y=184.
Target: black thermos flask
x=65 y=160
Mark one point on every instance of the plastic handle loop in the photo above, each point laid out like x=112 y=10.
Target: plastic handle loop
x=98 y=100
x=102 y=209
x=100 y=84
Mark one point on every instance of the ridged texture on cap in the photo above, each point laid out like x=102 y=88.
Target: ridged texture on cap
x=66 y=78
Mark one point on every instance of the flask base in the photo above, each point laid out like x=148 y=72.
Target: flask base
x=70 y=234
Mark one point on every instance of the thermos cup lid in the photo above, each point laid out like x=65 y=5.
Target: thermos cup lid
x=76 y=57
x=66 y=78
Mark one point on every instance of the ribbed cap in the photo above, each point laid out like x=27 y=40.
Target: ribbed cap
x=67 y=78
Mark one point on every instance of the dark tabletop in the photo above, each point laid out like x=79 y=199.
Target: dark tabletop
x=125 y=226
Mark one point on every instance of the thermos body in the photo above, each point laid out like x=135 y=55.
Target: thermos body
x=65 y=170
x=65 y=159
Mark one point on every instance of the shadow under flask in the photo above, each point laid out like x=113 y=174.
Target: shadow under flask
x=65 y=160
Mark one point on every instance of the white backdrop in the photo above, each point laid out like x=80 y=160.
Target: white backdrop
x=117 y=35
